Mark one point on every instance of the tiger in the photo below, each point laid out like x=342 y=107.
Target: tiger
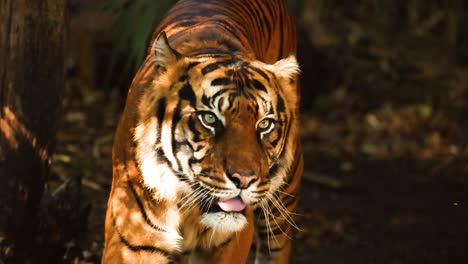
x=206 y=156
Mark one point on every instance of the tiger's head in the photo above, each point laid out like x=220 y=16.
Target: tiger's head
x=215 y=132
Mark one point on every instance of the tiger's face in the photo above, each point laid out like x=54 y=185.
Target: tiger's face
x=214 y=132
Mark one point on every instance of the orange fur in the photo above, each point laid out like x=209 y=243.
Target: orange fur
x=189 y=135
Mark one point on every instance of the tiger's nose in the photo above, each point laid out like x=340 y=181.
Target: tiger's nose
x=243 y=181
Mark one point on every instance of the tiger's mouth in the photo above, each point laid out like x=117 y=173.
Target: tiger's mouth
x=233 y=205
x=227 y=215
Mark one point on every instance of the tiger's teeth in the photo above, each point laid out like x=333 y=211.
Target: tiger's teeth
x=232 y=205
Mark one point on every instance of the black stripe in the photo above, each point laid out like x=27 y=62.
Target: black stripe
x=162 y=156
x=257 y=20
x=272 y=14
x=214 y=186
x=229 y=45
x=281 y=38
x=192 y=148
x=277 y=139
x=272 y=250
x=220 y=103
x=221 y=92
x=221 y=81
x=187 y=93
x=258 y=212
x=241 y=28
x=175 y=145
x=216 y=179
x=267 y=23
x=275 y=230
x=268 y=251
x=231 y=98
x=249 y=95
x=213 y=66
x=205 y=100
x=228 y=28
x=207 y=170
x=277 y=211
x=274 y=169
x=288 y=200
x=183 y=78
x=135 y=248
x=209 y=52
x=192 y=127
x=194 y=160
x=270 y=112
x=176 y=117
x=142 y=209
x=259 y=192
x=209 y=68
x=160 y=112
x=259 y=71
x=186 y=23
x=199 y=148
x=246 y=9
x=258 y=85
x=285 y=141
x=294 y=165
x=287 y=204
x=280 y=107
x=192 y=64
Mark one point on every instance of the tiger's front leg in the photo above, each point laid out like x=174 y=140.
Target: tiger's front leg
x=139 y=230
x=274 y=225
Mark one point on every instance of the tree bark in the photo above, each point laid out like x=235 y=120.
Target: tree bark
x=32 y=52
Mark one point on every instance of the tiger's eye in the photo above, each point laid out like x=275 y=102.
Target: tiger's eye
x=209 y=118
x=265 y=123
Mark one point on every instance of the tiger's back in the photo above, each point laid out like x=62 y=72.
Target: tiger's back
x=260 y=29
x=185 y=189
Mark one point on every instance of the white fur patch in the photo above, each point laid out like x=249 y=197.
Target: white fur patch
x=160 y=177
x=226 y=222
x=172 y=219
x=166 y=140
x=155 y=175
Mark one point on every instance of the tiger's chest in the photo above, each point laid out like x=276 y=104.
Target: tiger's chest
x=197 y=238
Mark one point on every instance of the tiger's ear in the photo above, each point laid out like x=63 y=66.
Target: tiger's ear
x=287 y=68
x=164 y=55
x=287 y=71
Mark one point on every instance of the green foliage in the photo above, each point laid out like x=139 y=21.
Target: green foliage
x=134 y=28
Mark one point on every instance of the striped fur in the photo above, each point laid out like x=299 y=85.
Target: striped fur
x=212 y=115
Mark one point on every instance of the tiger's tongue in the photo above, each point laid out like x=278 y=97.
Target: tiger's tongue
x=232 y=205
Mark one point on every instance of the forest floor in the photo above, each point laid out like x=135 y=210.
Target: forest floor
x=385 y=149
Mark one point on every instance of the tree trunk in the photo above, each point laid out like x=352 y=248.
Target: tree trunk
x=32 y=49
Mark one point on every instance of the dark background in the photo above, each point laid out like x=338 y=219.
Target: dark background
x=384 y=119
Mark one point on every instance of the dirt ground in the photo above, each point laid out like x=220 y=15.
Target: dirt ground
x=385 y=148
